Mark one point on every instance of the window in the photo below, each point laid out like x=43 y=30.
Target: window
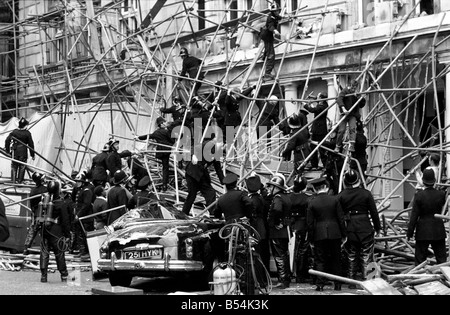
x=201 y=14
x=233 y=8
x=427 y=6
x=294 y=5
x=249 y=4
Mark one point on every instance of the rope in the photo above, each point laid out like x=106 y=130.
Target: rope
x=243 y=233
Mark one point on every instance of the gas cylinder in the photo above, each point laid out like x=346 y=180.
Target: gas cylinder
x=224 y=278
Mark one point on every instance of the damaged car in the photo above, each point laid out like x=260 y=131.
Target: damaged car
x=157 y=240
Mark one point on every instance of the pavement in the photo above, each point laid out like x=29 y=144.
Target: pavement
x=27 y=282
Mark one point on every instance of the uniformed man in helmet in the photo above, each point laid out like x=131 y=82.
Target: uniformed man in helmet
x=36 y=192
x=267 y=34
x=192 y=67
x=18 y=143
x=55 y=232
x=363 y=222
x=326 y=230
x=279 y=227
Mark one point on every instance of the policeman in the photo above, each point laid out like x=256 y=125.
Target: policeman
x=302 y=249
x=234 y=204
x=326 y=229
x=279 y=230
x=198 y=179
x=346 y=100
x=267 y=34
x=143 y=195
x=163 y=137
x=177 y=110
x=18 y=142
x=319 y=127
x=55 y=231
x=191 y=66
x=258 y=218
x=298 y=142
x=83 y=196
x=363 y=222
x=36 y=192
x=429 y=231
x=99 y=167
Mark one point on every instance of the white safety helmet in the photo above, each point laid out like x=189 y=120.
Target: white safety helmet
x=273 y=99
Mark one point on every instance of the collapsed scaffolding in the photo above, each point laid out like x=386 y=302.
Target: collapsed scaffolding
x=148 y=83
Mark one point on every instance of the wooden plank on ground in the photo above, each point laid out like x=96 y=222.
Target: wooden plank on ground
x=432 y=288
x=446 y=272
x=117 y=290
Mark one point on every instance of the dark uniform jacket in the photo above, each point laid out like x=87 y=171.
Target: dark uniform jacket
x=259 y=216
x=359 y=209
x=140 y=198
x=100 y=205
x=427 y=203
x=270 y=115
x=325 y=218
x=299 y=207
x=234 y=204
x=319 y=127
x=232 y=115
x=161 y=136
x=219 y=113
x=20 y=150
x=138 y=170
x=36 y=191
x=271 y=25
x=191 y=65
x=279 y=213
x=347 y=100
x=99 y=167
x=83 y=206
x=117 y=196
x=297 y=144
x=176 y=111
x=61 y=212
x=360 y=153
x=4 y=224
x=114 y=162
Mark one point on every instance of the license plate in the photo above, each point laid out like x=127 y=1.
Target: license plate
x=155 y=253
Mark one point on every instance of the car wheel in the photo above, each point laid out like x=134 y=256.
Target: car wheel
x=120 y=279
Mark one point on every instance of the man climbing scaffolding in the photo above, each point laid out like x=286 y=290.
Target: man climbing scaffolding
x=267 y=34
x=191 y=67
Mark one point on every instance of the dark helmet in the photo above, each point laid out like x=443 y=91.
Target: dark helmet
x=54 y=188
x=351 y=177
x=23 y=122
x=278 y=180
x=274 y=7
x=184 y=52
x=294 y=121
x=38 y=177
x=300 y=183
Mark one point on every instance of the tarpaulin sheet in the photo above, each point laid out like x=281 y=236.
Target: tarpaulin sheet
x=63 y=139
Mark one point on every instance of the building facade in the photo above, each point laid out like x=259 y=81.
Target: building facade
x=61 y=52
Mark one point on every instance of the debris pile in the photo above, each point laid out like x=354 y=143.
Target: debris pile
x=19 y=262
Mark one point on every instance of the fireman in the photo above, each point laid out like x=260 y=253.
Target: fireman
x=18 y=142
x=55 y=230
